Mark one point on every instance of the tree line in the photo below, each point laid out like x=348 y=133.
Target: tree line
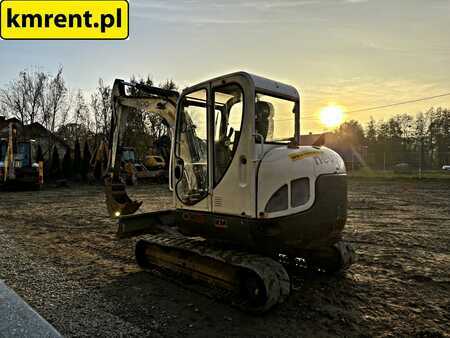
x=77 y=118
x=80 y=118
x=422 y=140
x=38 y=96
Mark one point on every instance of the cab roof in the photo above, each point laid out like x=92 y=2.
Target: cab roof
x=261 y=84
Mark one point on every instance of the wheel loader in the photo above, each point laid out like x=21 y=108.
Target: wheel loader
x=247 y=196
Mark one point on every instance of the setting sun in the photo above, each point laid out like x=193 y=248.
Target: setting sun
x=331 y=116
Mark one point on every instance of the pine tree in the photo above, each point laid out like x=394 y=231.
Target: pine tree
x=39 y=154
x=55 y=167
x=98 y=170
x=77 y=161
x=67 y=164
x=85 y=163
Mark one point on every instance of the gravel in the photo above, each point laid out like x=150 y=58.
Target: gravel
x=59 y=252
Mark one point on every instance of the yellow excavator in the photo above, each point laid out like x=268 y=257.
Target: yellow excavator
x=247 y=196
x=17 y=169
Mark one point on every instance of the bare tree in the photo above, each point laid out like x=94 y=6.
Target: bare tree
x=79 y=125
x=105 y=95
x=34 y=84
x=55 y=102
x=36 y=96
x=100 y=105
x=95 y=106
x=81 y=116
x=14 y=99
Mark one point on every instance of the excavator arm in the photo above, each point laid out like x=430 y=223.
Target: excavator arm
x=150 y=99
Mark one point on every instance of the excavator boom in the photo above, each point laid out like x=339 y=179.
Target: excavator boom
x=150 y=99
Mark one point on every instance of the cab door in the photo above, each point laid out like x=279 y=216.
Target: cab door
x=231 y=153
x=192 y=164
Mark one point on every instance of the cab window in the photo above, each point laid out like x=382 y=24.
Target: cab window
x=228 y=103
x=192 y=147
x=274 y=119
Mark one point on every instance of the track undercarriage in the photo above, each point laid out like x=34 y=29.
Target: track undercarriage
x=257 y=282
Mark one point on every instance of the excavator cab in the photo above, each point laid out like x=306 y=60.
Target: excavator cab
x=224 y=128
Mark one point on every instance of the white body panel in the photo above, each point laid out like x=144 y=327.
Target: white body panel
x=282 y=165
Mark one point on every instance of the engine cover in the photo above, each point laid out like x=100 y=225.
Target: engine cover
x=287 y=177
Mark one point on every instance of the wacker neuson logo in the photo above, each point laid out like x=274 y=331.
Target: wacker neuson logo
x=67 y=19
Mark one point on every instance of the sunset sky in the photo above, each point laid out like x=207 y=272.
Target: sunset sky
x=352 y=53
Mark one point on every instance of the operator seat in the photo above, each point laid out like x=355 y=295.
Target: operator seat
x=223 y=155
x=264 y=112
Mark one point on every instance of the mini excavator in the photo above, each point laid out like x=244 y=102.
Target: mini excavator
x=245 y=191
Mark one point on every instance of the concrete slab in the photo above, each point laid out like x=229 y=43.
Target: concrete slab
x=18 y=319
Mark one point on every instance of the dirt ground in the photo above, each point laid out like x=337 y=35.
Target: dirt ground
x=59 y=252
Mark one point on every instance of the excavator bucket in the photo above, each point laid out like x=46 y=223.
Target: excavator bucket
x=118 y=202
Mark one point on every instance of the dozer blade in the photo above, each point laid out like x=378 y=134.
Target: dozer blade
x=151 y=223
x=118 y=202
x=258 y=282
